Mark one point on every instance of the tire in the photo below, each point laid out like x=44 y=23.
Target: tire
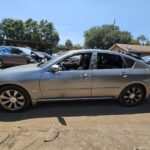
x=1 y=64
x=14 y=98
x=132 y=95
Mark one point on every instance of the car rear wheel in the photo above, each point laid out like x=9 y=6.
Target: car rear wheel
x=1 y=64
x=132 y=95
x=13 y=98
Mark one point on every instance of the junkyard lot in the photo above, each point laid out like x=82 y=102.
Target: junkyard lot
x=77 y=125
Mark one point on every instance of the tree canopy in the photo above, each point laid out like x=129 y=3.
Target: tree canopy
x=69 y=44
x=30 y=30
x=31 y=33
x=105 y=36
x=142 y=39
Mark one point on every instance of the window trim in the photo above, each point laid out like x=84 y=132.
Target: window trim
x=125 y=65
x=70 y=55
x=123 y=57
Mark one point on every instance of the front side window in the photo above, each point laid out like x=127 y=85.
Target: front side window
x=16 y=51
x=109 y=61
x=76 y=62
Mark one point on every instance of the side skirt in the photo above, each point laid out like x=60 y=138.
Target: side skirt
x=76 y=98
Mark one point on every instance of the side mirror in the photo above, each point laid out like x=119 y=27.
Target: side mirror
x=55 y=68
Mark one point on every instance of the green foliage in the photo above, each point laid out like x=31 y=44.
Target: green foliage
x=142 y=39
x=68 y=44
x=1 y=34
x=105 y=36
x=29 y=30
x=148 y=42
x=77 y=46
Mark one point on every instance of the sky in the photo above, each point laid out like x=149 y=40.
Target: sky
x=72 y=17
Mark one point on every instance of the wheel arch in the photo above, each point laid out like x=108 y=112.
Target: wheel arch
x=139 y=84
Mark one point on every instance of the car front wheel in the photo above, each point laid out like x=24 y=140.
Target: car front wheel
x=13 y=98
x=132 y=95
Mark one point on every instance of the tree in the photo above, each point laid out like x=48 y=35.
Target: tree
x=148 y=42
x=142 y=39
x=77 y=46
x=1 y=34
x=105 y=36
x=8 y=29
x=30 y=30
x=69 y=44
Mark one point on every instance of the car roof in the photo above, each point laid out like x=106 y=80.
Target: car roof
x=99 y=50
x=106 y=51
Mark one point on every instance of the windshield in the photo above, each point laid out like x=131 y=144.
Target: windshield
x=54 y=58
x=26 y=50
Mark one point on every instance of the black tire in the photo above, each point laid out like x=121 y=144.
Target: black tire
x=132 y=95
x=26 y=100
x=1 y=64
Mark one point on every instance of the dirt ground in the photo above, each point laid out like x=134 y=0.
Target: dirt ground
x=84 y=125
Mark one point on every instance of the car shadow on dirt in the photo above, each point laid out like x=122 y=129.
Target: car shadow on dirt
x=75 y=108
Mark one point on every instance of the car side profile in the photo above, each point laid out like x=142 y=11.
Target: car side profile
x=10 y=56
x=76 y=75
x=14 y=56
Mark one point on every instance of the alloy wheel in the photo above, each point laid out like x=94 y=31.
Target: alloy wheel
x=12 y=100
x=133 y=95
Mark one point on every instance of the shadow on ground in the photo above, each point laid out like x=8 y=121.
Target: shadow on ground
x=75 y=108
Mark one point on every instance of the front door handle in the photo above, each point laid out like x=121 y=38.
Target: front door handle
x=124 y=74
x=84 y=76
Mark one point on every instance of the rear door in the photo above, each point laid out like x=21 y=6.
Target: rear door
x=110 y=75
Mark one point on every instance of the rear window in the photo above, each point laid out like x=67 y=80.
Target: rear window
x=5 y=51
x=129 y=62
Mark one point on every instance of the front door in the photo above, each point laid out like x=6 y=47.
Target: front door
x=73 y=79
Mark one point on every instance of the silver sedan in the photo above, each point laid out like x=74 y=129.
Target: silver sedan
x=76 y=75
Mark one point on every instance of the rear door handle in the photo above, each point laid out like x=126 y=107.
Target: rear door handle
x=124 y=74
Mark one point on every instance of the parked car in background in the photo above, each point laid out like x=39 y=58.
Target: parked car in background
x=13 y=56
x=36 y=55
x=76 y=75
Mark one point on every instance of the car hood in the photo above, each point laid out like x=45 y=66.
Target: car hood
x=23 y=68
x=24 y=72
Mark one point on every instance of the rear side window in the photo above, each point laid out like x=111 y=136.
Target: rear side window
x=109 y=61
x=5 y=51
x=129 y=62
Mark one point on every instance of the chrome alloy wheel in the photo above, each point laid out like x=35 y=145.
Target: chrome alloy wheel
x=12 y=100
x=133 y=95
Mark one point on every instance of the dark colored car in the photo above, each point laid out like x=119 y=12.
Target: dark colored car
x=14 y=56
x=11 y=56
